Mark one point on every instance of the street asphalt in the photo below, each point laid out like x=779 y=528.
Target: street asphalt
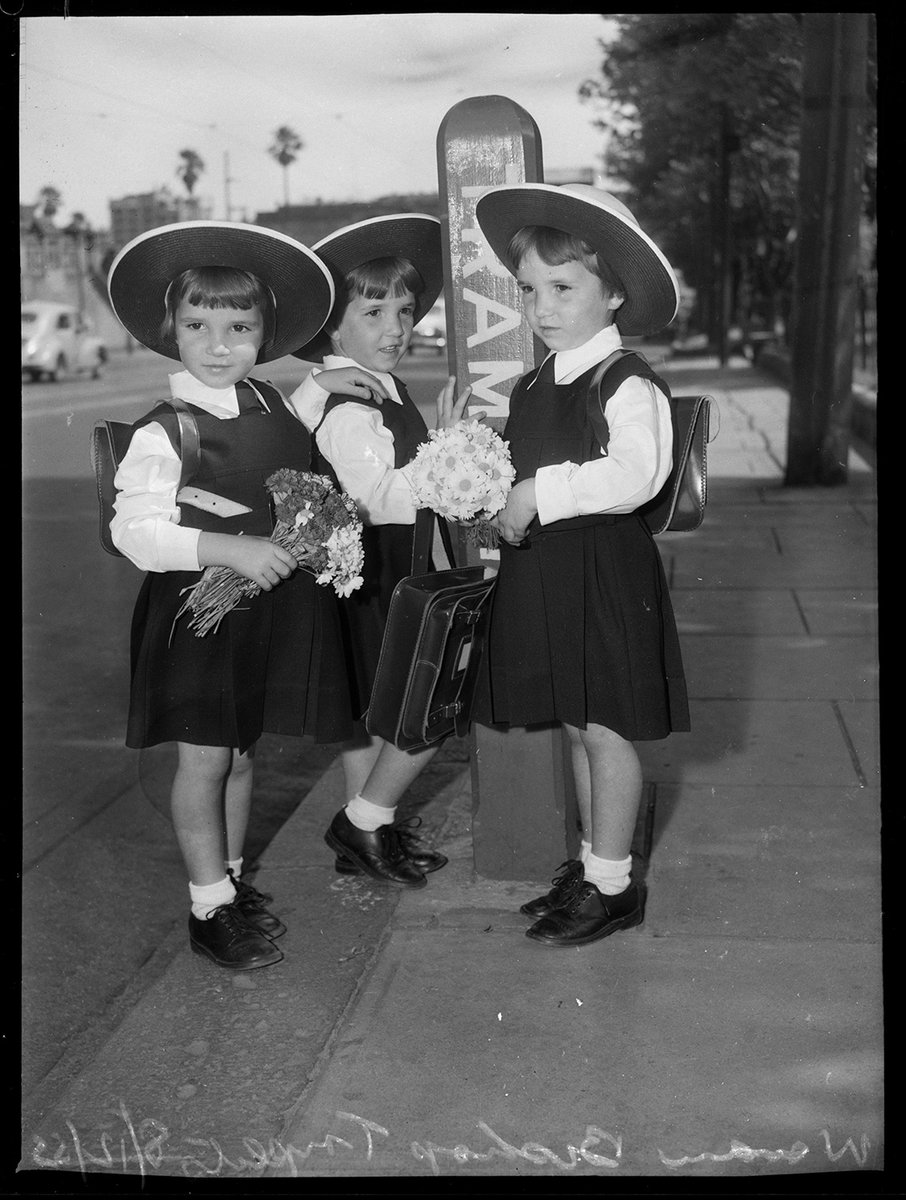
x=736 y=1036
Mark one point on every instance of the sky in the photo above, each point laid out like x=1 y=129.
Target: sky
x=108 y=103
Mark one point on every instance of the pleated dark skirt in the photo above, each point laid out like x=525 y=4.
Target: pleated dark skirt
x=582 y=632
x=274 y=665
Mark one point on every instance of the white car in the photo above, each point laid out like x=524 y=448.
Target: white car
x=58 y=339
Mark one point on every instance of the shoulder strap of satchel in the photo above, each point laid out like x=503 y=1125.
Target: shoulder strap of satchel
x=596 y=403
x=189 y=441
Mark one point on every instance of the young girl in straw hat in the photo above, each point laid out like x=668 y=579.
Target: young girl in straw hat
x=221 y=297
x=582 y=630
x=387 y=273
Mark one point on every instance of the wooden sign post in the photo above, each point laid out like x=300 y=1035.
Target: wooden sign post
x=522 y=802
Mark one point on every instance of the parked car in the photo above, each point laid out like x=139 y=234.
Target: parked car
x=431 y=331
x=58 y=339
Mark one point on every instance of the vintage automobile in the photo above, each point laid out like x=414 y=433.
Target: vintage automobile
x=57 y=340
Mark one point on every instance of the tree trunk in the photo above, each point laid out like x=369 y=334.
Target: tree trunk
x=823 y=325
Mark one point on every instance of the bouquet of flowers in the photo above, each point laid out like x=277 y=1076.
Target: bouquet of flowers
x=319 y=526
x=464 y=473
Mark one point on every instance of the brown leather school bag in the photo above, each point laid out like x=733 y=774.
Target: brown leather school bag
x=679 y=507
x=110 y=441
x=435 y=633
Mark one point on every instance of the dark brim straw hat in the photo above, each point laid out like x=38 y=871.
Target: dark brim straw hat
x=652 y=292
x=413 y=236
x=143 y=270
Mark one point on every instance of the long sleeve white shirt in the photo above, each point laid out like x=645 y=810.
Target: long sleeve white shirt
x=359 y=447
x=145 y=527
x=639 y=455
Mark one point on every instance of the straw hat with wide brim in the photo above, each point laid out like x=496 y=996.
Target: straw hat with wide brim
x=143 y=270
x=413 y=236
x=652 y=292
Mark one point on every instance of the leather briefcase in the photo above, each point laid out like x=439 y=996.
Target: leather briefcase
x=431 y=651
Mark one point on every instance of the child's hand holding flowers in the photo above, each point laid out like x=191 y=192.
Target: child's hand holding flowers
x=521 y=508
x=316 y=524
x=464 y=473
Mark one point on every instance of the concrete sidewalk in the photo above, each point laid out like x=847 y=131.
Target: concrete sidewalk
x=737 y=1033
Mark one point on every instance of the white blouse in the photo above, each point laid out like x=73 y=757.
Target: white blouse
x=640 y=453
x=359 y=447
x=146 y=526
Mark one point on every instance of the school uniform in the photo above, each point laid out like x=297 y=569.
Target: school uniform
x=364 y=447
x=275 y=663
x=582 y=629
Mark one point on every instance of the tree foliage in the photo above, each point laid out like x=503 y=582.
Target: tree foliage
x=190 y=169
x=49 y=201
x=285 y=149
x=678 y=92
x=286 y=146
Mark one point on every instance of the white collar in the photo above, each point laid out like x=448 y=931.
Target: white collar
x=570 y=364
x=333 y=361
x=184 y=386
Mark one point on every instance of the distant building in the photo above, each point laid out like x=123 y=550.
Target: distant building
x=66 y=265
x=561 y=175
x=308 y=223
x=132 y=215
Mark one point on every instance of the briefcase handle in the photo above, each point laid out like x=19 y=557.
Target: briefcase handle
x=423 y=539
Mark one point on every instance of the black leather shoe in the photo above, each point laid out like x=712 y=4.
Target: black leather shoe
x=228 y=940
x=378 y=853
x=587 y=915
x=420 y=856
x=251 y=903
x=571 y=872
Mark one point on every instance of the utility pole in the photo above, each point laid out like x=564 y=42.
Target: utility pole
x=822 y=334
x=227 y=180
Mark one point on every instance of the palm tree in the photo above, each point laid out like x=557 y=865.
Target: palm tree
x=49 y=201
x=285 y=149
x=190 y=168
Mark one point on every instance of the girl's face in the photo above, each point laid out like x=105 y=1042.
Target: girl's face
x=376 y=333
x=565 y=305
x=218 y=346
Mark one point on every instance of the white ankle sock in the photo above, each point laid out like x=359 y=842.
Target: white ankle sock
x=609 y=875
x=584 y=850
x=367 y=816
x=234 y=865
x=206 y=897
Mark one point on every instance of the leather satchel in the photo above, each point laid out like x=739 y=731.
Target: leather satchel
x=679 y=507
x=109 y=443
x=433 y=640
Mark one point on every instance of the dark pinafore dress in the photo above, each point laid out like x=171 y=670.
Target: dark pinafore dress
x=582 y=629
x=388 y=549
x=276 y=662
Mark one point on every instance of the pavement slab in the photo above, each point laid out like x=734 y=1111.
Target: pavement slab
x=764 y=742
x=510 y=1075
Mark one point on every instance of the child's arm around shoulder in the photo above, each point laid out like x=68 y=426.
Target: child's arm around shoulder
x=308 y=400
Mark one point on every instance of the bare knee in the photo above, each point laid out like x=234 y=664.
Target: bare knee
x=205 y=764
x=595 y=737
